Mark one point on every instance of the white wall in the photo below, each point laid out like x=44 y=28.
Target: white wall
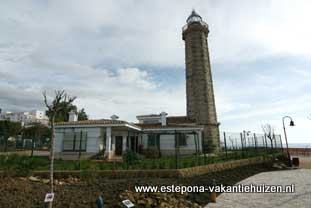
x=167 y=142
x=94 y=138
x=59 y=136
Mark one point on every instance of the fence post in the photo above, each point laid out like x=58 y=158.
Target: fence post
x=32 y=146
x=203 y=147
x=80 y=145
x=196 y=137
x=255 y=138
x=225 y=145
x=266 y=144
x=242 y=144
x=196 y=147
x=176 y=150
x=5 y=135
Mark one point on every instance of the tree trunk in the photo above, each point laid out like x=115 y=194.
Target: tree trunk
x=52 y=159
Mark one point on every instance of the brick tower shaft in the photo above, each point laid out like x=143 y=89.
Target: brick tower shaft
x=199 y=82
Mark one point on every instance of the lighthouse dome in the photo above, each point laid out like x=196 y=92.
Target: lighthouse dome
x=194 y=17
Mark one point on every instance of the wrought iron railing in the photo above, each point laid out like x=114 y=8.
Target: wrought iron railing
x=204 y=24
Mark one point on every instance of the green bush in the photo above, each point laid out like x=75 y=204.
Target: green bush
x=162 y=164
x=152 y=153
x=130 y=157
x=21 y=165
x=154 y=164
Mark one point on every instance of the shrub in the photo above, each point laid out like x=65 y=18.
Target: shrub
x=281 y=156
x=186 y=164
x=21 y=165
x=162 y=164
x=88 y=171
x=143 y=165
x=99 y=156
x=152 y=153
x=131 y=157
x=154 y=165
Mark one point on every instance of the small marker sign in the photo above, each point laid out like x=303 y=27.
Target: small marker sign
x=128 y=203
x=49 y=197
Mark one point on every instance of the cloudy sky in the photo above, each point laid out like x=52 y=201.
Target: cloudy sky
x=127 y=58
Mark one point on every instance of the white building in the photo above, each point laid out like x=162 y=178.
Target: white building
x=26 y=118
x=115 y=137
x=2 y=116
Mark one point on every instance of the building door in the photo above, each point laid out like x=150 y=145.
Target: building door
x=119 y=143
x=134 y=143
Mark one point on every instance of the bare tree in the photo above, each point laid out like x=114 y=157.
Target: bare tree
x=269 y=132
x=54 y=107
x=232 y=142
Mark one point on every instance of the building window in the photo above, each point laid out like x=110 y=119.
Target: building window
x=153 y=140
x=182 y=140
x=75 y=141
x=68 y=141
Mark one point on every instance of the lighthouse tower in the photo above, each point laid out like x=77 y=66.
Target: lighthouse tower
x=199 y=82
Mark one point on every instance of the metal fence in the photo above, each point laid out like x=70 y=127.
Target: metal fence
x=245 y=140
x=182 y=150
x=174 y=150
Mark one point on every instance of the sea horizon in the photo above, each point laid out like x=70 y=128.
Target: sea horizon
x=299 y=145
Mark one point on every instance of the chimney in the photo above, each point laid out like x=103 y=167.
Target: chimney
x=73 y=116
x=163 y=118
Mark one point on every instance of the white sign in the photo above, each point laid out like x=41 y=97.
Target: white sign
x=49 y=197
x=128 y=203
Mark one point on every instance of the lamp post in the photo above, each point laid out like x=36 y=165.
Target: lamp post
x=291 y=123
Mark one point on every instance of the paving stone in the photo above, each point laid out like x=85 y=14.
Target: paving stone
x=301 y=198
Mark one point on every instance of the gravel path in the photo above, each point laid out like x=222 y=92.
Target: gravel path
x=301 y=198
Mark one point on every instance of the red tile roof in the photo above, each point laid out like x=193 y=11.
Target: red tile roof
x=149 y=115
x=172 y=122
x=179 y=119
x=91 y=122
x=159 y=126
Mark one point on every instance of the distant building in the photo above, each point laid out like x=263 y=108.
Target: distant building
x=2 y=116
x=26 y=118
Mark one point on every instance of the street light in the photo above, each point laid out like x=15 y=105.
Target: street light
x=291 y=123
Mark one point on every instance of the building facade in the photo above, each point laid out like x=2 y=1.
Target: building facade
x=26 y=118
x=199 y=83
x=153 y=133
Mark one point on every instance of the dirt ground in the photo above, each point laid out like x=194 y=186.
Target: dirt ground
x=20 y=192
